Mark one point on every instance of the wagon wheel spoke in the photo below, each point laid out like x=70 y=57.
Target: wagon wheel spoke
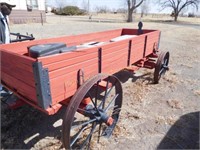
x=77 y=135
x=109 y=105
x=84 y=123
x=116 y=111
x=162 y=71
x=94 y=103
x=164 y=67
x=99 y=132
x=106 y=95
x=88 y=137
x=96 y=94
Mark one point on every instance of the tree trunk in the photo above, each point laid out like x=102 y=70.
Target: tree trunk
x=175 y=17
x=142 y=14
x=130 y=16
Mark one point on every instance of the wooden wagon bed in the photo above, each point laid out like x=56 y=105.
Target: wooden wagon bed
x=47 y=81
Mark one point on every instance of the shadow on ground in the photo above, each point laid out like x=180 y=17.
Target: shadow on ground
x=125 y=75
x=184 y=134
x=24 y=127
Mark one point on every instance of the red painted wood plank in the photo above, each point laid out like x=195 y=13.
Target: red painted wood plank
x=114 y=56
x=67 y=79
x=118 y=66
x=21 y=75
x=66 y=86
x=73 y=61
x=118 y=47
x=63 y=96
x=6 y=61
x=20 y=86
x=17 y=58
x=65 y=56
x=71 y=68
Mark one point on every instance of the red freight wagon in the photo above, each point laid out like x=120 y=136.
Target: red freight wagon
x=77 y=71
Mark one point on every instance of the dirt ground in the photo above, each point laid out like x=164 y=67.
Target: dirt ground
x=153 y=116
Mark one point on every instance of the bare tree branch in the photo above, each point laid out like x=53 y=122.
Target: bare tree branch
x=178 y=5
x=139 y=3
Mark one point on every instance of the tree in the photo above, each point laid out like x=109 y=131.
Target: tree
x=132 y=5
x=178 y=5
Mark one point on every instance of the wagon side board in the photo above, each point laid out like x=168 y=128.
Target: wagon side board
x=17 y=73
x=109 y=58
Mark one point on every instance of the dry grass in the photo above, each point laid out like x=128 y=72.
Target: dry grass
x=174 y=103
x=170 y=120
x=197 y=92
x=171 y=77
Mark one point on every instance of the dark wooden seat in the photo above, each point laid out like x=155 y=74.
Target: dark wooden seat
x=48 y=49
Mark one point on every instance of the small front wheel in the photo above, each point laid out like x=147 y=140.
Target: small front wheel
x=161 y=66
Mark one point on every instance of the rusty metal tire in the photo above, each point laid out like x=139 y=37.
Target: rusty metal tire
x=72 y=109
x=161 y=66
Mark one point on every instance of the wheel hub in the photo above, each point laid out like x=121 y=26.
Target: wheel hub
x=100 y=115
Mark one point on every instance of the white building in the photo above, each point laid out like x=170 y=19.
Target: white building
x=27 y=11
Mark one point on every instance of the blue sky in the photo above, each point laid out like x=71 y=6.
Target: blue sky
x=111 y=4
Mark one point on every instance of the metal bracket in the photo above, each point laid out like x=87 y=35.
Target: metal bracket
x=42 y=84
x=129 y=52
x=145 y=46
x=159 y=39
x=99 y=60
x=80 y=78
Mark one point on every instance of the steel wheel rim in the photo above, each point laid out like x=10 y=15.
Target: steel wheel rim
x=164 y=65
x=68 y=122
x=161 y=66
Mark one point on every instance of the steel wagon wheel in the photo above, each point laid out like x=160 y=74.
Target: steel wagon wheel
x=161 y=66
x=83 y=122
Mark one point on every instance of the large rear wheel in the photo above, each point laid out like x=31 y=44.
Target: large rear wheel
x=92 y=112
